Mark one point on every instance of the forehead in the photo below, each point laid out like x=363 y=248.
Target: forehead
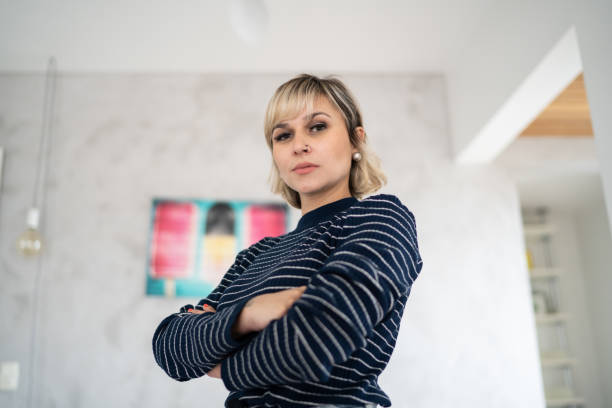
x=297 y=113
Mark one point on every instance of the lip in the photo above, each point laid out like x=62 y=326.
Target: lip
x=304 y=165
x=305 y=170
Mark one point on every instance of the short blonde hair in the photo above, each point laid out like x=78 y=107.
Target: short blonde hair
x=300 y=92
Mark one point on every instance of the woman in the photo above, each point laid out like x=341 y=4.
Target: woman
x=309 y=318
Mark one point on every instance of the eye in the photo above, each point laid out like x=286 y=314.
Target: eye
x=279 y=138
x=319 y=126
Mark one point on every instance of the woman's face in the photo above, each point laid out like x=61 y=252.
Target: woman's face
x=324 y=131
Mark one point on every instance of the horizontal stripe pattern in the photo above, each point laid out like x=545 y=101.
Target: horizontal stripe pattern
x=359 y=264
x=188 y=345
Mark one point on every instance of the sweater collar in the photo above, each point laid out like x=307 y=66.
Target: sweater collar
x=314 y=217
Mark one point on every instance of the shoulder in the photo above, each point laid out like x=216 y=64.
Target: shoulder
x=382 y=214
x=258 y=247
x=389 y=200
x=388 y=205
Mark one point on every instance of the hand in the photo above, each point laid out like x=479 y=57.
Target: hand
x=215 y=372
x=207 y=308
x=258 y=312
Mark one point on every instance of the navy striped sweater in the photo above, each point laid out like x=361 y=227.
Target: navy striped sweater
x=358 y=258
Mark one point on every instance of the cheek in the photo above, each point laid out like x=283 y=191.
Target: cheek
x=278 y=158
x=341 y=155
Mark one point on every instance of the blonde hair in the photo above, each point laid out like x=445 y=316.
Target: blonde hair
x=300 y=92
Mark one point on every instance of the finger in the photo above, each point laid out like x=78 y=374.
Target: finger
x=196 y=311
x=297 y=293
x=215 y=372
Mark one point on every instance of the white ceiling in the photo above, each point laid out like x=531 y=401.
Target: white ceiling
x=338 y=36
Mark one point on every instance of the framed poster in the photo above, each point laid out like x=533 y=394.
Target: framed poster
x=192 y=243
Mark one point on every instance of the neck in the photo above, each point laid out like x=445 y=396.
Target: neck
x=316 y=200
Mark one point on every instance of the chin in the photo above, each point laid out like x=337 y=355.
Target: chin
x=306 y=188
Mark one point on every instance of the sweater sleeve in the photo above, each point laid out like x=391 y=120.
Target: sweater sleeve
x=188 y=345
x=374 y=264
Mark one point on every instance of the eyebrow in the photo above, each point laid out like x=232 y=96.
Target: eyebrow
x=283 y=125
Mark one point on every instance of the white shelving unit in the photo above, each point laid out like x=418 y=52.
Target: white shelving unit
x=545 y=276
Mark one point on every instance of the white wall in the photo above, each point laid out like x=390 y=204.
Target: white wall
x=468 y=334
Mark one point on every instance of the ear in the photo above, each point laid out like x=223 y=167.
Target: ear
x=360 y=132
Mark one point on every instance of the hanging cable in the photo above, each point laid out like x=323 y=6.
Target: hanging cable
x=38 y=202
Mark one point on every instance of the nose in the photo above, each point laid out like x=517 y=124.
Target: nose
x=299 y=142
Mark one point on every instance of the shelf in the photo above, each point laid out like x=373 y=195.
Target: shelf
x=556 y=363
x=535 y=230
x=543 y=272
x=551 y=318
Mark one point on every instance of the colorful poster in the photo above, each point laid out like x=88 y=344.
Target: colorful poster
x=192 y=243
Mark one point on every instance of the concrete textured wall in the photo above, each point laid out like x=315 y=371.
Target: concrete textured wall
x=468 y=334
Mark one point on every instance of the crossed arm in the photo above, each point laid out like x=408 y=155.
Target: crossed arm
x=298 y=334
x=256 y=314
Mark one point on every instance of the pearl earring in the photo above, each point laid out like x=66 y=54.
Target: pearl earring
x=356 y=156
